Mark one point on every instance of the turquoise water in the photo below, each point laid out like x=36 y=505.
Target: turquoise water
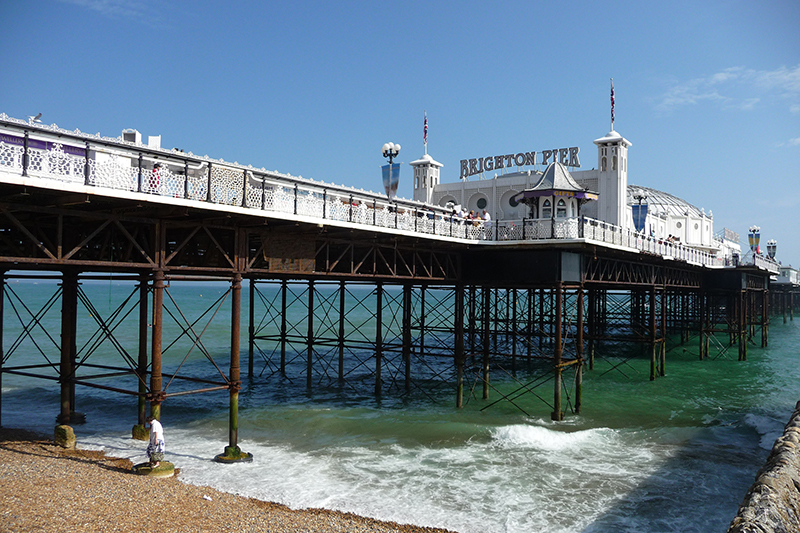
x=676 y=454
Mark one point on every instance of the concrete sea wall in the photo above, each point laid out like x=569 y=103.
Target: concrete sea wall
x=772 y=505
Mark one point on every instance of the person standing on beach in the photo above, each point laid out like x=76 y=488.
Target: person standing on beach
x=155 y=450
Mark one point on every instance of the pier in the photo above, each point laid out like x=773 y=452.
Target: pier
x=451 y=303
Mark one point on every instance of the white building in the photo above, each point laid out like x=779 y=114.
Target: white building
x=668 y=217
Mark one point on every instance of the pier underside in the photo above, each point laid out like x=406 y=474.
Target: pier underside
x=367 y=311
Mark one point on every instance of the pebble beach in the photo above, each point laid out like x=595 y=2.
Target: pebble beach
x=44 y=487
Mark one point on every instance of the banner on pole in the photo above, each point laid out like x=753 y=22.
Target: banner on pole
x=639 y=216
x=391 y=178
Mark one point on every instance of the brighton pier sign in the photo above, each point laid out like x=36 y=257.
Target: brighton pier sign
x=566 y=156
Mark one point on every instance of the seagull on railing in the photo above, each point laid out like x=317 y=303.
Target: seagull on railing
x=36 y=119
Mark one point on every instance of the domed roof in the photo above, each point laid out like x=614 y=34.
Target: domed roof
x=662 y=202
x=426 y=160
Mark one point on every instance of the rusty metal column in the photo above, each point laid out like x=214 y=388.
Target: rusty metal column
x=156 y=396
x=310 y=336
x=143 y=337
x=422 y=320
x=557 y=413
x=284 y=289
x=514 y=332
x=235 y=382
x=342 y=292
x=531 y=296
x=69 y=322
x=407 y=334
x=487 y=298
x=663 y=358
x=701 y=303
x=459 y=356
x=378 y=337
x=765 y=318
x=652 y=333
x=2 y=325
x=742 y=321
x=251 y=329
x=579 y=353
x=590 y=344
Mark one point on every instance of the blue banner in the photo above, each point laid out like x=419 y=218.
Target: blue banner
x=639 y=216
x=391 y=177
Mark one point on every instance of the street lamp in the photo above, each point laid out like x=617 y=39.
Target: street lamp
x=391 y=172
x=754 y=236
x=640 y=216
x=390 y=151
x=772 y=247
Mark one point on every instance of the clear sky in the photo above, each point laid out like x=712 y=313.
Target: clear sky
x=708 y=92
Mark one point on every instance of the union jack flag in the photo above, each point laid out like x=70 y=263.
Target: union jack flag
x=425 y=134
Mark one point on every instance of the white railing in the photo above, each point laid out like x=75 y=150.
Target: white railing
x=73 y=158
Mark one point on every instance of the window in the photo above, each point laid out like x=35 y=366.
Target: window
x=546 y=209
x=604 y=165
x=512 y=202
x=481 y=203
x=561 y=209
x=614 y=163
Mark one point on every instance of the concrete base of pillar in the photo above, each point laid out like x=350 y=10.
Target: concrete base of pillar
x=64 y=436
x=164 y=469
x=139 y=432
x=234 y=455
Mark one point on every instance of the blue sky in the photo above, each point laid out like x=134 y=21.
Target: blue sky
x=707 y=92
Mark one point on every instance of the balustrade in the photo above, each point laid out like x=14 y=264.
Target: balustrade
x=130 y=169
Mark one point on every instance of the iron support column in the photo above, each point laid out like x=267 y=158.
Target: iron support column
x=653 y=343
x=459 y=356
x=156 y=396
x=310 y=336
x=557 y=413
x=407 y=334
x=378 y=338
x=342 y=292
x=487 y=298
x=251 y=329
x=284 y=288
x=142 y=363
x=69 y=322
x=235 y=383
x=579 y=353
x=2 y=325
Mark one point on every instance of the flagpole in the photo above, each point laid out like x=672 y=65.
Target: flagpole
x=612 y=104
x=425 y=134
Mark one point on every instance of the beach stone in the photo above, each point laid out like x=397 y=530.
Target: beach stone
x=64 y=436
x=164 y=469
x=140 y=432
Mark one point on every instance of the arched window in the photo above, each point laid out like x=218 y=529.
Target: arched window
x=604 y=164
x=546 y=209
x=614 y=163
x=561 y=209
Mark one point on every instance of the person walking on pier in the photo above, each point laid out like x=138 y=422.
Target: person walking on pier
x=155 y=450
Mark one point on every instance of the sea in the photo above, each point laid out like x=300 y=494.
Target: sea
x=676 y=454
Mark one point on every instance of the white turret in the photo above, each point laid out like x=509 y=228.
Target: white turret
x=426 y=177
x=612 y=160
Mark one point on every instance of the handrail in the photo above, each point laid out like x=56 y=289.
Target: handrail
x=50 y=153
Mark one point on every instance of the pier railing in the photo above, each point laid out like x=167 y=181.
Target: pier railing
x=51 y=154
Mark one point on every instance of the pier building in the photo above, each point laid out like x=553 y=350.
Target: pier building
x=451 y=302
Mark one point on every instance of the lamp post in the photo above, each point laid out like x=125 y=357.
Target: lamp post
x=772 y=248
x=754 y=237
x=391 y=172
x=390 y=151
x=640 y=218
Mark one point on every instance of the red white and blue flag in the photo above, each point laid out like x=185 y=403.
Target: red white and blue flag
x=425 y=134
